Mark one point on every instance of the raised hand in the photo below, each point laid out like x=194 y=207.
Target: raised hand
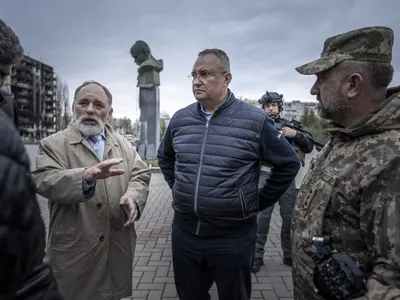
x=103 y=170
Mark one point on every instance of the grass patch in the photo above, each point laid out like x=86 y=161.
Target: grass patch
x=152 y=162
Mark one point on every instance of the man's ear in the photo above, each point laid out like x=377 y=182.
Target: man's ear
x=228 y=79
x=110 y=112
x=353 y=85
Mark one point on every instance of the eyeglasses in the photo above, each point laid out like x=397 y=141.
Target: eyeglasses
x=204 y=74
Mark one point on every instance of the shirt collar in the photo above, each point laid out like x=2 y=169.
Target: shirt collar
x=203 y=110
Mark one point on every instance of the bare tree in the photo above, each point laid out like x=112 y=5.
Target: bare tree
x=249 y=101
x=63 y=113
x=125 y=124
x=135 y=127
x=59 y=105
x=163 y=117
x=66 y=108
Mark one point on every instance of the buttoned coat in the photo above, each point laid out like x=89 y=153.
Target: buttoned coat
x=89 y=248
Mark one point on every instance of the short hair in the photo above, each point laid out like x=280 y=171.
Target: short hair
x=223 y=58
x=109 y=96
x=380 y=74
x=11 y=51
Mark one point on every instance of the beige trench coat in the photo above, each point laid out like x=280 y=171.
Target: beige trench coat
x=89 y=247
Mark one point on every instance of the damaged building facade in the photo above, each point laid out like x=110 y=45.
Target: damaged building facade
x=33 y=85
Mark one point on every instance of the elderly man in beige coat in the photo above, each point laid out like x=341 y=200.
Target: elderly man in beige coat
x=97 y=187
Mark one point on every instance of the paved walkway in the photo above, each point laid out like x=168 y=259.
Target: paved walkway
x=152 y=272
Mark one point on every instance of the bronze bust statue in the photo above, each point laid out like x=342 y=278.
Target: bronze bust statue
x=149 y=67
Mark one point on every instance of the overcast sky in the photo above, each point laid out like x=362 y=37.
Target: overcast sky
x=265 y=40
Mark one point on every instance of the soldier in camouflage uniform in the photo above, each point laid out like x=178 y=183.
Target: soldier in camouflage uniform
x=352 y=190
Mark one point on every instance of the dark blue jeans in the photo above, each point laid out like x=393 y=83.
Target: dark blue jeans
x=286 y=203
x=200 y=261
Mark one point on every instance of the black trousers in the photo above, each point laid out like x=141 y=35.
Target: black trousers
x=200 y=261
x=286 y=203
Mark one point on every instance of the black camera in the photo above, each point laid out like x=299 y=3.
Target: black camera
x=336 y=275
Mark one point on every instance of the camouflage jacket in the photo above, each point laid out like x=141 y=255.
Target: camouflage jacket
x=352 y=193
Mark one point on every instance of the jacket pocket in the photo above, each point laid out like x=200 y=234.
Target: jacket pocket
x=380 y=227
x=243 y=203
x=319 y=194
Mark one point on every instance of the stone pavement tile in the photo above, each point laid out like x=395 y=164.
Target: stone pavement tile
x=289 y=282
x=170 y=291
x=152 y=266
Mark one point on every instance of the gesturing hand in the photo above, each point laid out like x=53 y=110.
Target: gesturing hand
x=130 y=207
x=103 y=170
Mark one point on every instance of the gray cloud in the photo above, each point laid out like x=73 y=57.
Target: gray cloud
x=264 y=40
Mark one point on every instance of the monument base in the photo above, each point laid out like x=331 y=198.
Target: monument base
x=149 y=136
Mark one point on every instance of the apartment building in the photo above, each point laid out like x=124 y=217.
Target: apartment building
x=34 y=87
x=293 y=110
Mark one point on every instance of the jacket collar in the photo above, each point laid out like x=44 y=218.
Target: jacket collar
x=386 y=116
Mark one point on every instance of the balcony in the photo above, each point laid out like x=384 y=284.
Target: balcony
x=51 y=130
x=48 y=121
x=49 y=99
x=23 y=93
x=24 y=112
x=24 y=120
x=23 y=85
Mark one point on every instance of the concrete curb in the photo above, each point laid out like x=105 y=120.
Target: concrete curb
x=155 y=170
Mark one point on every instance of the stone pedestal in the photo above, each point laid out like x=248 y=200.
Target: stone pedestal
x=149 y=122
x=149 y=99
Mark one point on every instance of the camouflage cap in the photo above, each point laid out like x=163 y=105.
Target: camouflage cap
x=367 y=44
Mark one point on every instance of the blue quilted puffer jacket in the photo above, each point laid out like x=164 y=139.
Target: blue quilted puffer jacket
x=213 y=166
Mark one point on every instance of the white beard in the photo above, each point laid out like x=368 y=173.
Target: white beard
x=89 y=130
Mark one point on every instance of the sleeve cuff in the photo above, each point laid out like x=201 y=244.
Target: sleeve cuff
x=138 y=210
x=87 y=188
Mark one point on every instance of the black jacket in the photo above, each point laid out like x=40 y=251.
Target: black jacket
x=213 y=166
x=23 y=274
x=9 y=106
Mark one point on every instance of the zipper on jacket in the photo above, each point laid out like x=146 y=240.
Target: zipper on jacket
x=196 y=193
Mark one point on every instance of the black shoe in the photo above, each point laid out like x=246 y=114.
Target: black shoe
x=258 y=262
x=288 y=261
